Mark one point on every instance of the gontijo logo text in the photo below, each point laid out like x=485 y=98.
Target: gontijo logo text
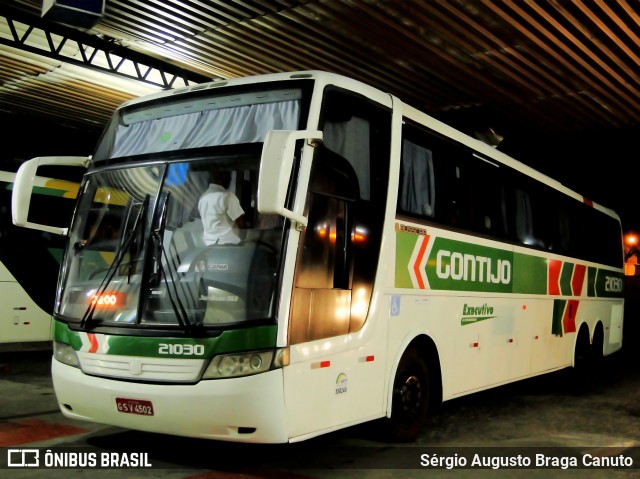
x=433 y=262
x=468 y=267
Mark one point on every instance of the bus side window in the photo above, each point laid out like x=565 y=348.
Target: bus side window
x=417 y=191
x=534 y=212
x=523 y=218
x=350 y=139
x=446 y=182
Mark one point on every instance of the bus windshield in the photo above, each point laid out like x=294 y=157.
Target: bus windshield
x=172 y=244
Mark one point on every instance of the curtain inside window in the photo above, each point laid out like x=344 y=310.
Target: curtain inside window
x=417 y=192
x=524 y=218
x=350 y=139
x=225 y=126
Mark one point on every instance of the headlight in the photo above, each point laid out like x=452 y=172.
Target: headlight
x=65 y=354
x=244 y=364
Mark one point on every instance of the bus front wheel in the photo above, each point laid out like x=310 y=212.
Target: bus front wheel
x=410 y=399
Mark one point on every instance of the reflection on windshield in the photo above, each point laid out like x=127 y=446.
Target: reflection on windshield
x=199 y=255
x=104 y=262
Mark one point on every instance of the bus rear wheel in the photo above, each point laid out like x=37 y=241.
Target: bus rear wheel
x=410 y=400
x=597 y=348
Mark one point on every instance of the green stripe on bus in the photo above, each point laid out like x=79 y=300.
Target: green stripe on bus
x=43 y=190
x=246 y=339
x=565 y=278
x=558 y=314
x=63 y=334
x=454 y=265
x=530 y=274
x=405 y=242
x=591 y=281
x=609 y=284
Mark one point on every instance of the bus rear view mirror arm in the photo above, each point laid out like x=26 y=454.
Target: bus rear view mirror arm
x=276 y=166
x=23 y=186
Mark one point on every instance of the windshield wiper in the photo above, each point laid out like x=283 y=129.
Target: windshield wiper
x=125 y=246
x=174 y=297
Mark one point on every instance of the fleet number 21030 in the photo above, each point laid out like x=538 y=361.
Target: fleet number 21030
x=613 y=284
x=181 y=349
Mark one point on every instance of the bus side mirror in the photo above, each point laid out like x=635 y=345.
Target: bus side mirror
x=275 y=171
x=23 y=185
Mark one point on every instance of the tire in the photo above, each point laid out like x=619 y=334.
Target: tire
x=597 y=351
x=582 y=356
x=597 y=348
x=582 y=376
x=410 y=399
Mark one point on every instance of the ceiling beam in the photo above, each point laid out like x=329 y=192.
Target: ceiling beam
x=145 y=68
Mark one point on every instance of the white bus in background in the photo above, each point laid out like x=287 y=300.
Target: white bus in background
x=30 y=260
x=388 y=263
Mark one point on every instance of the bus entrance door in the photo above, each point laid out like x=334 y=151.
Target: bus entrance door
x=319 y=321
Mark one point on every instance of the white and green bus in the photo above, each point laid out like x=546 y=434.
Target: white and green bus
x=30 y=262
x=388 y=262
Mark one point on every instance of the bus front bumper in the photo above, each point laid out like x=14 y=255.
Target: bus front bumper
x=246 y=409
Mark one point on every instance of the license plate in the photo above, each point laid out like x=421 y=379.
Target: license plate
x=134 y=406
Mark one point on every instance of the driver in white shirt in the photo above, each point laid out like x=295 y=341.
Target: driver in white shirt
x=219 y=210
